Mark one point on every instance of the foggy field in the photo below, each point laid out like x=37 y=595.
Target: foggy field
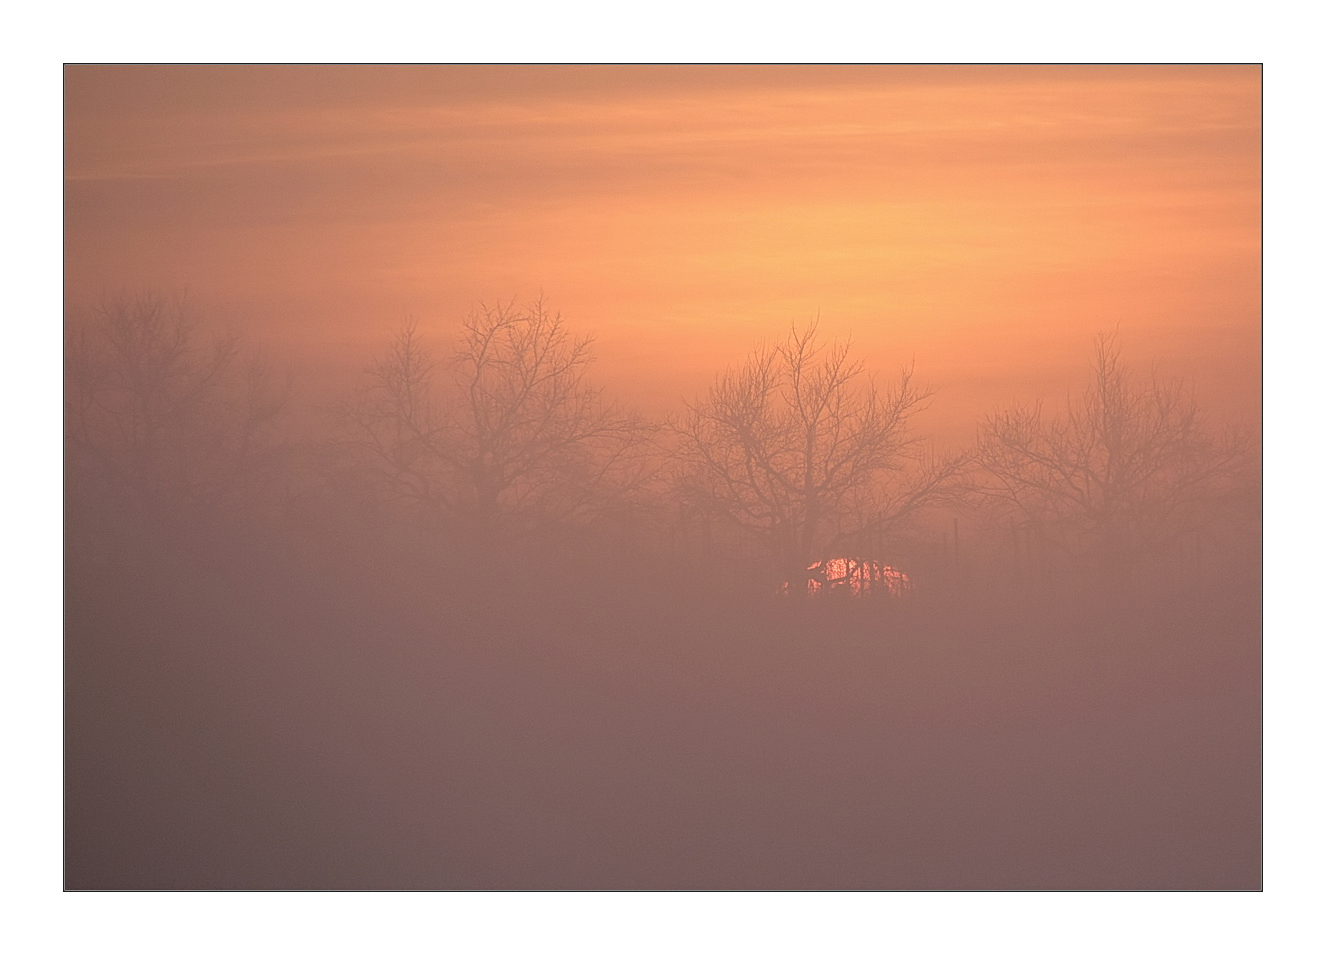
x=249 y=731
x=611 y=477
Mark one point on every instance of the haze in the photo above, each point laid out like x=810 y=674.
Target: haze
x=663 y=477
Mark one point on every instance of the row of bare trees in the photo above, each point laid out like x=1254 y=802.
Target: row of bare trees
x=798 y=451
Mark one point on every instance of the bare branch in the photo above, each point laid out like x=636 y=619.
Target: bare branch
x=1126 y=469
x=785 y=444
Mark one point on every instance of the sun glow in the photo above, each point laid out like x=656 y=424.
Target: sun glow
x=854 y=577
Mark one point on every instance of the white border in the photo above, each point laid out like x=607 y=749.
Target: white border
x=690 y=31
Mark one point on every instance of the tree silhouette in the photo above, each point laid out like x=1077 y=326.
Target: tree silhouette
x=390 y=427
x=512 y=432
x=1126 y=470
x=160 y=425
x=795 y=446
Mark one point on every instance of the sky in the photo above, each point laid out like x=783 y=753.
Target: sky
x=981 y=222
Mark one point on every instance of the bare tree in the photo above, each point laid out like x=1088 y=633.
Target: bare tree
x=157 y=421
x=796 y=445
x=1128 y=468
x=391 y=428
x=513 y=430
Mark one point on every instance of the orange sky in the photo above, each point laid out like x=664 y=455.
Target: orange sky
x=984 y=221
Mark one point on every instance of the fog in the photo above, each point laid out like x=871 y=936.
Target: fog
x=454 y=461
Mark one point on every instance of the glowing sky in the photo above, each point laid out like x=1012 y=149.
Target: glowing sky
x=984 y=221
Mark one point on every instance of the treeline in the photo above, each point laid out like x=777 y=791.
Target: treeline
x=505 y=447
